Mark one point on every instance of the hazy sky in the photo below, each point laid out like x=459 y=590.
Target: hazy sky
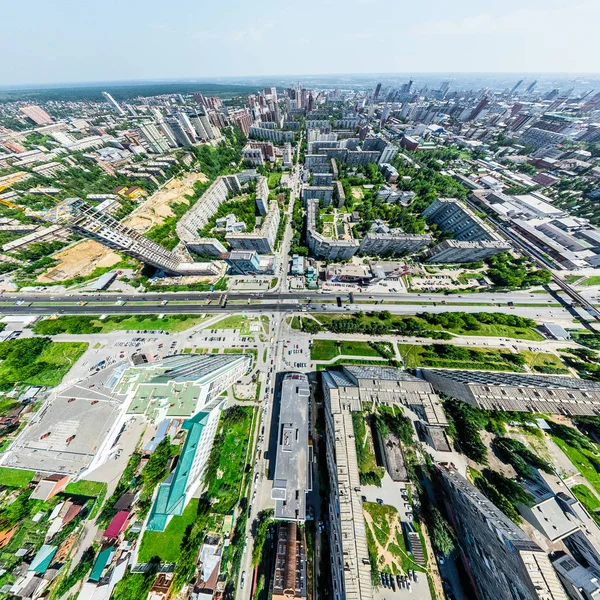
x=46 y=41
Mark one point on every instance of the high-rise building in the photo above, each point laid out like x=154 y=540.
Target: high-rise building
x=156 y=140
x=82 y=218
x=376 y=94
x=483 y=103
x=530 y=87
x=516 y=87
x=113 y=103
x=500 y=559
x=38 y=115
x=549 y=394
x=179 y=132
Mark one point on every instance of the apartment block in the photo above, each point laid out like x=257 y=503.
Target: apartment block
x=550 y=394
x=453 y=251
x=323 y=193
x=351 y=571
x=390 y=244
x=321 y=246
x=263 y=238
x=500 y=559
x=274 y=135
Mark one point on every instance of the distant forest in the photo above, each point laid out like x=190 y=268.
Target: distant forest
x=123 y=91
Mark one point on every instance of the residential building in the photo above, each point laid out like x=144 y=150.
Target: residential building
x=394 y=242
x=155 y=139
x=538 y=138
x=243 y=262
x=293 y=475
x=289 y=577
x=453 y=251
x=349 y=554
x=321 y=246
x=287 y=155
x=262 y=195
x=452 y=215
x=274 y=135
x=84 y=219
x=549 y=394
x=580 y=582
x=113 y=103
x=263 y=238
x=500 y=559
x=322 y=193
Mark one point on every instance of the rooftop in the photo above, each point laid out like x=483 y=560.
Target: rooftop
x=291 y=468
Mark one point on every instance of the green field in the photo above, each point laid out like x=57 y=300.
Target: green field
x=84 y=487
x=588 y=499
x=37 y=361
x=273 y=180
x=581 y=461
x=545 y=362
x=17 y=478
x=166 y=544
x=593 y=280
x=483 y=359
x=329 y=349
x=225 y=467
x=396 y=321
x=93 y=324
x=240 y=322
x=369 y=471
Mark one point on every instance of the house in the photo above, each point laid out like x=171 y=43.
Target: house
x=117 y=525
x=49 y=487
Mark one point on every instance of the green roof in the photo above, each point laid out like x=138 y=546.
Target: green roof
x=101 y=562
x=170 y=499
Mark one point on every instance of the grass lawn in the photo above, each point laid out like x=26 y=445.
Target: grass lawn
x=296 y=323
x=485 y=330
x=53 y=362
x=17 y=478
x=483 y=359
x=240 y=322
x=328 y=218
x=6 y=405
x=588 y=499
x=539 y=361
x=273 y=180
x=92 y=489
x=328 y=349
x=152 y=322
x=593 y=280
x=166 y=544
x=352 y=361
x=581 y=462
x=226 y=463
x=367 y=463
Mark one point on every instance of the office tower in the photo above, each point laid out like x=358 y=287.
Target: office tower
x=376 y=94
x=502 y=561
x=38 y=115
x=154 y=137
x=516 y=87
x=82 y=218
x=530 y=87
x=113 y=103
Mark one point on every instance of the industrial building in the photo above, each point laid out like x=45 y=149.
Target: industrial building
x=492 y=390
x=292 y=465
x=500 y=559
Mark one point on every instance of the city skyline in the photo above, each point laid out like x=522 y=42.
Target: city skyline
x=233 y=39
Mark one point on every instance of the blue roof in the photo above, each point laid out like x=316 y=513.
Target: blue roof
x=101 y=562
x=43 y=559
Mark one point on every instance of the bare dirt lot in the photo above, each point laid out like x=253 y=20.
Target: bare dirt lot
x=80 y=260
x=158 y=207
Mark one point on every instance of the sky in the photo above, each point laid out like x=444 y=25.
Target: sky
x=65 y=41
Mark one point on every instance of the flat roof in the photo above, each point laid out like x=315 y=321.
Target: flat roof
x=291 y=468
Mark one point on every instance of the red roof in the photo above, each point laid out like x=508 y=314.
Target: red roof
x=117 y=525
